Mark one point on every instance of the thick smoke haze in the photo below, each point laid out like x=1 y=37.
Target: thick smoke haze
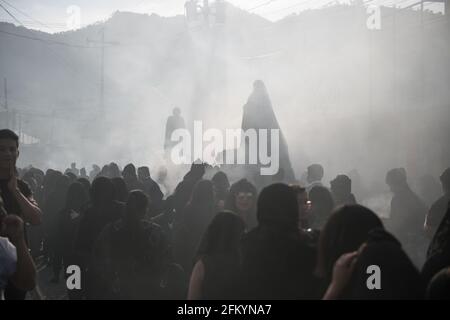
x=357 y=101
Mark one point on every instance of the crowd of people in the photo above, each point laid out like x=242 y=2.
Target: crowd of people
x=215 y=238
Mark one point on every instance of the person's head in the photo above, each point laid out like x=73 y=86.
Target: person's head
x=120 y=189
x=439 y=286
x=203 y=194
x=396 y=179
x=223 y=235
x=77 y=196
x=221 y=183
x=197 y=170
x=104 y=172
x=242 y=197
x=136 y=205
x=220 y=180
x=314 y=173
x=304 y=205
x=259 y=86
x=9 y=146
x=445 y=180
x=102 y=191
x=114 y=170
x=73 y=165
x=345 y=231
x=176 y=111
x=129 y=172
x=83 y=172
x=278 y=207
x=341 y=186
x=143 y=173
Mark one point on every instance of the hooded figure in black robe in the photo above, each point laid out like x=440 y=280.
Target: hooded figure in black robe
x=258 y=114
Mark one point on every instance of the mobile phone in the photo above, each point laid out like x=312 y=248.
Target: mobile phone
x=5 y=169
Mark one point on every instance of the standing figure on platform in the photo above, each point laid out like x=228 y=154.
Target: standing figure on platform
x=258 y=114
x=174 y=122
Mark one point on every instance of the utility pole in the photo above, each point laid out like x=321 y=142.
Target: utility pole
x=103 y=44
x=6 y=93
x=102 y=72
x=422 y=56
x=394 y=53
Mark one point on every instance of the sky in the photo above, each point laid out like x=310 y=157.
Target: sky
x=57 y=15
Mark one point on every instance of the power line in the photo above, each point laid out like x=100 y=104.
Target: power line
x=290 y=7
x=9 y=13
x=26 y=15
x=261 y=5
x=48 y=41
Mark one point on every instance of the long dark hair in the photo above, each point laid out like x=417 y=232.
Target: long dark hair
x=345 y=231
x=222 y=236
x=77 y=196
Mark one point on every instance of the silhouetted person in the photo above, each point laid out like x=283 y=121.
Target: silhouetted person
x=242 y=201
x=16 y=195
x=191 y=225
x=398 y=277
x=277 y=262
x=83 y=173
x=114 y=170
x=184 y=189
x=322 y=205
x=94 y=172
x=120 y=188
x=345 y=231
x=131 y=179
x=52 y=208
x=102 y=209
x=221 y=187
x=174 y=122
x=314 y=176
x=73 y=169
x=407 y=214
x=341 y=189
x=68 y=222
x=258 y=114
x=131 y=255
x=215 y=274
x=151 y=188
x=439 y=207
